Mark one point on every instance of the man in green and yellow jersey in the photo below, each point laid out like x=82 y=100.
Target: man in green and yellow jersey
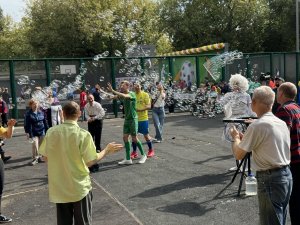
x=143 y=104
x=130 y=127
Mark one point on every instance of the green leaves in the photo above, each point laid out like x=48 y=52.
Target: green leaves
x=78 y=28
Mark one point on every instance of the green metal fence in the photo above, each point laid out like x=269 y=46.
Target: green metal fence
x=43 y=71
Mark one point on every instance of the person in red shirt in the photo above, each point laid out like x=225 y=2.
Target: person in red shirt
x=289 y=112
x=272 y=83
x=3 y=112
x=83 y=101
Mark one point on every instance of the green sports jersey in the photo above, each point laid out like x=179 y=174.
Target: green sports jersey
x=130 y=106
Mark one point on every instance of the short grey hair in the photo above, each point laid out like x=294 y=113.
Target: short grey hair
x=264 y=95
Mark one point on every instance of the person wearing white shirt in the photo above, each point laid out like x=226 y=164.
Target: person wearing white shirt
x=158 y=113
x=94 y=113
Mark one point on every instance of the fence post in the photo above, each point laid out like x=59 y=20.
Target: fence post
x=271 y=64
x=13 y=89
x=297 y=68
x=142 y=63
x=197 y=71
x=171 y=71
x=284 y=66
x=113 y=83
x=48 y=73
x=248 y=74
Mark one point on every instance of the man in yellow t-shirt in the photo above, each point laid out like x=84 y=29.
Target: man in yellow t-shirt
x=69 y=150
x=143 y=104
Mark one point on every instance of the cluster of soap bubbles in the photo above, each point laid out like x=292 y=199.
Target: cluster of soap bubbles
x=62 y=89
x=200 y=102
x=203 y=104
x=26 y=84
x=214 y=64
x=241 y=127
x=206 y=104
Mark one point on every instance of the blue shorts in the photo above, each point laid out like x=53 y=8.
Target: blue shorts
x=143 y=127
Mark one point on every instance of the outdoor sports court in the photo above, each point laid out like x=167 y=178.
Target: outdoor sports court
x=186 y=183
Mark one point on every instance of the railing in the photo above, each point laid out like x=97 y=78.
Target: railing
x=111 y=69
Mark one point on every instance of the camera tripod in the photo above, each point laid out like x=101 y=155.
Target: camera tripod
x=243 y=163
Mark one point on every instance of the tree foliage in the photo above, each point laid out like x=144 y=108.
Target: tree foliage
x=85 y=28
x=13 y=39
x=200 y=22
x=78 y=28
x=280 y=32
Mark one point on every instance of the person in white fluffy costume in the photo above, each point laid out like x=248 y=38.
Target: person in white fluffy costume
x=237 y=103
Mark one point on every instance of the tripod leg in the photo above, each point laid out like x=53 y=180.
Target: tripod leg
x=249 y=163
x=242 y=175
x=237 y=170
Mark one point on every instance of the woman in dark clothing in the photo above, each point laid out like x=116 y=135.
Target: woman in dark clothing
x=35 y=126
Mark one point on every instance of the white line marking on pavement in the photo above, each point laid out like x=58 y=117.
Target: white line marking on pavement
x=117 y=201
x=23 y=192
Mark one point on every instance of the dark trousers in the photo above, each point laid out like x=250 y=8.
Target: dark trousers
x=4 y=119
x=95 y=129
x=80 y=212
x=294 y=203
x=1 y=181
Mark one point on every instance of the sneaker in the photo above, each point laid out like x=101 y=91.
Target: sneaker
x=150 y=153
x=233 y=168
x=94 y=168
x=156 y=141
x=34 y=161
x=4 y=219
x=6 y=158
x=134 y=155
x=40 y=160
x=125 y=162
x=143 y=159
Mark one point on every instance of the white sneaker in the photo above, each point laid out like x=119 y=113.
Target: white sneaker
x=34 y=161
x=233 y=168
x=143 y=159
x=125 y=162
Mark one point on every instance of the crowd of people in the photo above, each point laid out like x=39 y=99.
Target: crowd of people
x=273 y=139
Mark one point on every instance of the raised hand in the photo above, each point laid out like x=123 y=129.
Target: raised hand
x=109 y=87
x=234 y=132
x=113 y=147
x=11 y=122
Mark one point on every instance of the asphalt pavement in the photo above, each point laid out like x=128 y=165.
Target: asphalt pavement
x=186 y=183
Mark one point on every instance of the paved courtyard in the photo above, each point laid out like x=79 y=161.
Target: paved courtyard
x=186 y=183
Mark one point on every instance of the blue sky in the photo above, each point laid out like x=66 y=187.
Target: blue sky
x=14 y=8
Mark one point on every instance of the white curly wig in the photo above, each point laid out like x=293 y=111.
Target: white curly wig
x=237 y=82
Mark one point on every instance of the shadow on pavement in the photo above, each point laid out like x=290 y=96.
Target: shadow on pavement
x=194 y=209
x=42 y=180
x=217 y=158
x=191 y=209
x=13 y=160
x=17 y=166
x=199 y=181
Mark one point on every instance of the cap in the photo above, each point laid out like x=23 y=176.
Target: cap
x=279 y=78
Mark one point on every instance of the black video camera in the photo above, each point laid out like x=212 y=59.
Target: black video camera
x=265 y=76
